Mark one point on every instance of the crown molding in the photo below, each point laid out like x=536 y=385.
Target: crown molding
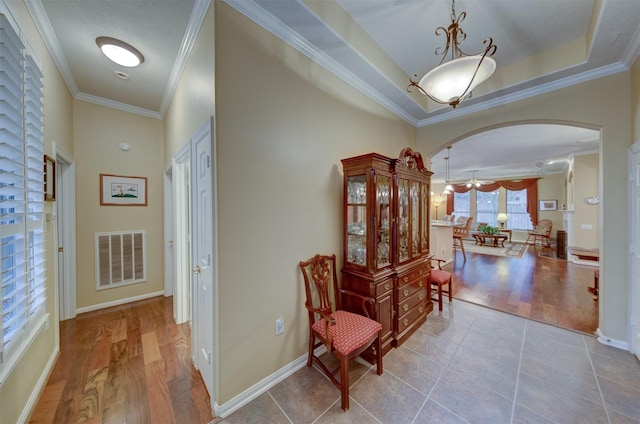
x=101 y=101
x=191 y=34
x=39 y=16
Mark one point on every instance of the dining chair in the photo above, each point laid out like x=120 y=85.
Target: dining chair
x=345 y=334
x=440 y=279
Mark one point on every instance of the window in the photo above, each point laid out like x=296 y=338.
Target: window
x=487 y=207
x=23 y=307
x=462 y=204
x=519 y=218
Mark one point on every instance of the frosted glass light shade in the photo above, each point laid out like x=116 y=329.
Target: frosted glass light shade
x=448 y=82
x=501 y=217
x=120 y=52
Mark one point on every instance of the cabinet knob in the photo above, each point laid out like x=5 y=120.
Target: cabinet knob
x=420 y=309
x=387 y=286
x=405 y=292
x=405 y=322
x=420 y=272
x=405 y=279
x=420 y=283
x=405 y=307
x=421 y=296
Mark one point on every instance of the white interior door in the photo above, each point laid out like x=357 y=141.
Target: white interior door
x=634 y=197
x=204 y=255
x=66 y=233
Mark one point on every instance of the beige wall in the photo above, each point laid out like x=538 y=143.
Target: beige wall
x=193 y=101
x=20 y=384
x=281 y=134
x=552 y=187
x=98 y=131
x=601 y=104
x=586 y=173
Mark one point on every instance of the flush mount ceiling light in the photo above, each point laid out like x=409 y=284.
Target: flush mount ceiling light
x=451 y=82
x=120 y=52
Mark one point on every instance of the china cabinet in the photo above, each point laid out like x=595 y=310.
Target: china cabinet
x=386 y=240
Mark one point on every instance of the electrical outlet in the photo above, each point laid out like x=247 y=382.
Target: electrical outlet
x=279 y=326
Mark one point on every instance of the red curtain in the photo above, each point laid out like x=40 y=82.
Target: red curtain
x=530 y=184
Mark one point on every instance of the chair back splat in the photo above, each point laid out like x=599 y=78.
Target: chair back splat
x=345 y=334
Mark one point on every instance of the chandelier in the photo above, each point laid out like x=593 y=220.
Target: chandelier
x=451 y=82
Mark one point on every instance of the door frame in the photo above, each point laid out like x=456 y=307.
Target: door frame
x=181 y=234
x=65 y=233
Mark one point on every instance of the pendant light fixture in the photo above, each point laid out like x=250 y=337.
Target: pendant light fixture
x=448 y=188
x=451 y=82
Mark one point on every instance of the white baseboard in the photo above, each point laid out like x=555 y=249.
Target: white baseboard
x=39 y=387
x=259 y=388
x=119 y=302
x=620 y=344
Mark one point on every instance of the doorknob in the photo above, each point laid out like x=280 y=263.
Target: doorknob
x=60 y=249
x=197 y=269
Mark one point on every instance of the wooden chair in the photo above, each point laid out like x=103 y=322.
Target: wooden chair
x=462 y=232
x=345 y=334
x=439 y=279
x=541 y=232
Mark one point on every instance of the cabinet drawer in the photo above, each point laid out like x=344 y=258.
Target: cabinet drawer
x=384 y=287
x=407 y=290
x=422 y=271
x=407 y=319
x=412 y=301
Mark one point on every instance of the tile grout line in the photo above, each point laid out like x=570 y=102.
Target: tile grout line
x=515 y=390
x=595 y=375
x=279 y=407
x=446 y=367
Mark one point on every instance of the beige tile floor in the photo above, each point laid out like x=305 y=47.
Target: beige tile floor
x=469 y=364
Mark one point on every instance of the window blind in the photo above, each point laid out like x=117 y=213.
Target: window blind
x=22 y=237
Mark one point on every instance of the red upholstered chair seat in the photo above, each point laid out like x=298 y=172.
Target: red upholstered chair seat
x=350 y=332
x=440 y=277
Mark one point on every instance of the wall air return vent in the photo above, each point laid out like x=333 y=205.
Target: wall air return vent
x=120 y=258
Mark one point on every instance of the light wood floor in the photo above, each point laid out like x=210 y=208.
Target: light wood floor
x=132 y=363
x=126 y=364
x=536 y=287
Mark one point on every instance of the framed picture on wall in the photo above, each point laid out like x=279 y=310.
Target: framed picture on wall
x=548 y=205
x=49 y=178
x=118 y=190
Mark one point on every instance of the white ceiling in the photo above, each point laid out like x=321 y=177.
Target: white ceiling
x=374 y=45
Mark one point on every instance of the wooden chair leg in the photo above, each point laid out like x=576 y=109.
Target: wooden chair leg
x=450 y=289
x=440 y=297
x=462 y=247
x=379 y=353
x=310 y=356
x=344 y=382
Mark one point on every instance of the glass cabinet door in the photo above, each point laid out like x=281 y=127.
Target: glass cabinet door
x=403 y=219
x=383 y=219
x=415 y=215
x=357 y=220
x=425 y=196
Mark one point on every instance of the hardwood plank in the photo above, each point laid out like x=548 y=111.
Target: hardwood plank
x=48 y=403
x=137 y=405
x=91 y=402
x=159 y=398
x=150 y=348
